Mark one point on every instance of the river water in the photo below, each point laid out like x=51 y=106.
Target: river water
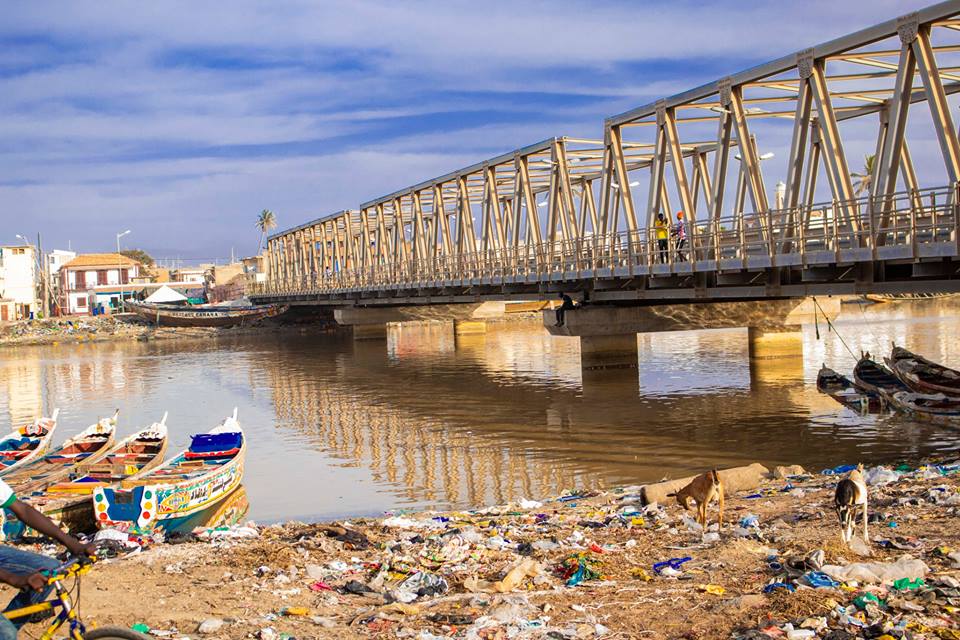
x=337 y=428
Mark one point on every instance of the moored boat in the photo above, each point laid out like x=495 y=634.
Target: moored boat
x=23 y=445
x=922 y=375
x=936 y=408
x=87 y=446
x=872 y=376
x=68 y=502
x=203 y=316
x=844 y=391
x=167 y=497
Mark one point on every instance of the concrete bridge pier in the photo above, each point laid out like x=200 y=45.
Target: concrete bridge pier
x=608 y=352
x=376 y=331
x=469 y=327
x=769 y=343
x=608 y=334
x=370 y=323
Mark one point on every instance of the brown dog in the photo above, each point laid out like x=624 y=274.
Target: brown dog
x=703 y=489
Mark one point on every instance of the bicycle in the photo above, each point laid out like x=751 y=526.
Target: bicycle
x=74 y=567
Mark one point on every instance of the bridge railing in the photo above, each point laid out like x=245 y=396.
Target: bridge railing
x=906 y=225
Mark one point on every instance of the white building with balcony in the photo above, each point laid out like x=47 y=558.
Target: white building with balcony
x=109 y=274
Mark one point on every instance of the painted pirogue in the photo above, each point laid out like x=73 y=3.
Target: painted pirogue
x=846 y=392
x=25 y=444
x=89 y=445
x=212 y=316
x=876 y=378
x=176 y=495
x=922 y=375
x=68 y=502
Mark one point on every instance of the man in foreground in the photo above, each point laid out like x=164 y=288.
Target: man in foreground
x=21 y=569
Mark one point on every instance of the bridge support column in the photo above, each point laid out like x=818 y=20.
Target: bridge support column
x=469 y=327
x=369 y=331
x=775 y=344
x=776 y=355
x=598 y=353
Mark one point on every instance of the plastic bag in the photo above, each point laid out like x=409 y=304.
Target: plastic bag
x=878 y=572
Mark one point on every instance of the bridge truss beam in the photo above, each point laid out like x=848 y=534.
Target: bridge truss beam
x=531 y=216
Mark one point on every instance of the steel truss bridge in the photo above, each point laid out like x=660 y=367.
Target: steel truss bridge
x=578 y=214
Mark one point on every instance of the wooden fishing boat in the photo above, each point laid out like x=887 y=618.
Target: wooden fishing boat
x=936 y=408
x=24 y=445
x=922 y=375
x=203 y=316
x=89 y=445
x=844 y=391
x=167 y=497
x=68 y=502
x=872 y=376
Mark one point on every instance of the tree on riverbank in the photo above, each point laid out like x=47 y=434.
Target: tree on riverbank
x=265 y=222
x=140 y=256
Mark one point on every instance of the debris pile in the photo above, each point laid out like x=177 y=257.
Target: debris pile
x=582 y=565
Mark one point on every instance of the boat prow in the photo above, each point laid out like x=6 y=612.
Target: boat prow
x=27 y=443
x=846 y=392
x=88 y=446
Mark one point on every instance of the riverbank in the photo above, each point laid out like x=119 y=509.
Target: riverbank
x=84 y=330
x=90 y=329
x=580 y=566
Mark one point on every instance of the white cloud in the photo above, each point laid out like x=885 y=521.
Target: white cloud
x=114 y=114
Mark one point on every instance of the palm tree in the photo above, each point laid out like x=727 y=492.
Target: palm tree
x=265 y=222
x=865 y=179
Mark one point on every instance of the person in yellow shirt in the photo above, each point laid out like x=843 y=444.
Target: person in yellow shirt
x=663 y=237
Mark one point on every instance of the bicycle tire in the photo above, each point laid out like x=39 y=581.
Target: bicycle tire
x=114 y=633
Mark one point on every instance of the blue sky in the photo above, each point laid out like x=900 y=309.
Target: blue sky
x=182 y=120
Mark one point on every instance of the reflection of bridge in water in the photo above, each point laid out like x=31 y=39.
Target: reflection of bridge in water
x=498 y=435
x=424 y=459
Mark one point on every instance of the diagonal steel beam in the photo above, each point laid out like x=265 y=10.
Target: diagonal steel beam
x=937 y=99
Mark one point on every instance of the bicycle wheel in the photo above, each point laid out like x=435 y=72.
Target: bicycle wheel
x=114 y=633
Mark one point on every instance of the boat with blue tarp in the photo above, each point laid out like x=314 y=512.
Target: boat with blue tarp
x=173 y=496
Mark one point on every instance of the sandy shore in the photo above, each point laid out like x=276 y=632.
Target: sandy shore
x=302 y=581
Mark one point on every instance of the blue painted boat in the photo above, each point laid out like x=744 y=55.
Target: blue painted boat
x=173 y=496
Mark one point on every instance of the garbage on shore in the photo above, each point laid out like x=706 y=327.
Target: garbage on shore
x=586 y=565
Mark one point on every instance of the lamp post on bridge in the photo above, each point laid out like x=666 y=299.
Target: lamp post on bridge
x=120 y=269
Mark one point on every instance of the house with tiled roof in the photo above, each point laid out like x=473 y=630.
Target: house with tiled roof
x=109 y=274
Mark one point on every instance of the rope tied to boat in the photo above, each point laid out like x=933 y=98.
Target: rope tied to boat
x=830 y=326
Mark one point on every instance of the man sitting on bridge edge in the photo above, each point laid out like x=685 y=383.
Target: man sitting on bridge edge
x=564 y=307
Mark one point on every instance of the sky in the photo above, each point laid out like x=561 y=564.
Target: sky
x=182 y=120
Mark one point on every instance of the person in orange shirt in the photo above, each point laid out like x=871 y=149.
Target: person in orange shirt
x=680 y=231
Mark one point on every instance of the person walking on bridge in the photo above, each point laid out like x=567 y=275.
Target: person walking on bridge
x=680 y=231
x=565 y=306
x=663 y=237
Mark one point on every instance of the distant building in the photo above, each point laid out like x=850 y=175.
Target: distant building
x=253 y=267
x=18 y=280
x=108 y=275
x=189 y=274
x=232 y=289
x=236 y=280
x=56 y=259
